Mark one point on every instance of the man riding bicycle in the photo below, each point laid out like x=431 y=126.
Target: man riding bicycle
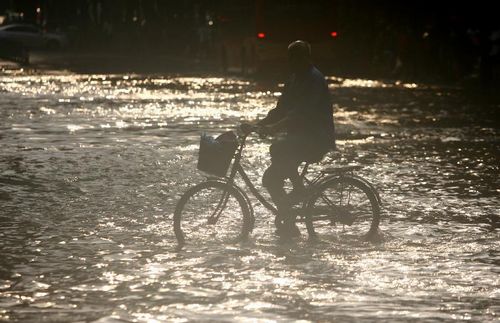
x=304 y=113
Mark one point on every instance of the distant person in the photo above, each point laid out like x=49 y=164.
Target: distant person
x=304 y=113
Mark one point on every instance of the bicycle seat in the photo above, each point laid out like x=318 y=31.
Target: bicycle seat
x=341 y=169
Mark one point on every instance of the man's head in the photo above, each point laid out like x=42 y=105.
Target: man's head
x=299 y=56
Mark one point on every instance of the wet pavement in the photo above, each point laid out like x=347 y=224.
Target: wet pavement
x=91 y=167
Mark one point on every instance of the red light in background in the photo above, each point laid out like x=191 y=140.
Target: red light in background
x=261 y=35
x=334 y=34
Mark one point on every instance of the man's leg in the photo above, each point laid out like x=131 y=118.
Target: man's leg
x=283 y=166
x=274 y=180
x=297 y=182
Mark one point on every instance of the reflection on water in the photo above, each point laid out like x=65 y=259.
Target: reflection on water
x=91 y=167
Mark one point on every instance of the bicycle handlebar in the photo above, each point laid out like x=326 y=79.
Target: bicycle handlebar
x=247 y=129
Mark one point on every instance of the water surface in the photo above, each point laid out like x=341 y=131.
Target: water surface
x=91 y=167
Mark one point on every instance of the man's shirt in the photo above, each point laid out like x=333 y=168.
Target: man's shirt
x=306 y=104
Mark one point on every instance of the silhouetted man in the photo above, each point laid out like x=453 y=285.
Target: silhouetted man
x=304 y=113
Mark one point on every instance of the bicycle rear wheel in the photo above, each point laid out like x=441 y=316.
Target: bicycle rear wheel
x=345 y=202
x=212 y=211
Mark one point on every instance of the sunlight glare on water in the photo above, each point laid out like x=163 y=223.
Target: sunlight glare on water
x=92 y=166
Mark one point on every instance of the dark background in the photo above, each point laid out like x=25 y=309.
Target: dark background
x=444 y=41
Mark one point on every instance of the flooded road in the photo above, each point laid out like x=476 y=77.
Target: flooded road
x=91 y=167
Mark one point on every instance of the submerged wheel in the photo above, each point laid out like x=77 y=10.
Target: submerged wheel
x=347 y=203
x=212 y=212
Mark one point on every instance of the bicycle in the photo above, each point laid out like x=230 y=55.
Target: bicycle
x=336 y=195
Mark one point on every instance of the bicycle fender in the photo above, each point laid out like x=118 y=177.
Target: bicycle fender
x=357 y=178
x=370 y=185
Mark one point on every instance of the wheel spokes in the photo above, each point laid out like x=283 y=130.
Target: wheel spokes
x=345 y=203
x=212 y=220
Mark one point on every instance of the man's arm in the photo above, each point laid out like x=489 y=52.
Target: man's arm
x=265 y=129
x=275 y=127
x=276 y=118
x=278 y=113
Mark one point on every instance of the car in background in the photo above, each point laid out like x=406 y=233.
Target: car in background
x=32 y=37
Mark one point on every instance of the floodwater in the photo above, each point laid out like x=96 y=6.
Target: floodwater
x=91 y=167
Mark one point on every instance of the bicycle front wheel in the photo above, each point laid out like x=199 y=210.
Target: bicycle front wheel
x=212 y=211
x=347 y=203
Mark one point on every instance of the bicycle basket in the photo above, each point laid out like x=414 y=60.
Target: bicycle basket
x=215 y=154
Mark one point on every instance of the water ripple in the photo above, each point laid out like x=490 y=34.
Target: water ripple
x=91 y=167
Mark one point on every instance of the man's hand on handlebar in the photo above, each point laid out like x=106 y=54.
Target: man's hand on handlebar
x=265 y=131
x=247 y=128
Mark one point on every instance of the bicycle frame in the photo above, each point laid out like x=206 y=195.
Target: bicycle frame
x=238 y=169
x=304 y=211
